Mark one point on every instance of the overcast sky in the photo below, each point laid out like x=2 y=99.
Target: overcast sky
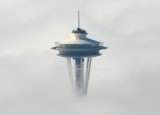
x=125 y=80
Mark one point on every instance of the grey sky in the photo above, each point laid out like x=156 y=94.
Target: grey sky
x=124 y=80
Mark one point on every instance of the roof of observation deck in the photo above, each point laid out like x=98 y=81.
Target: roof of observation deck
x=79 y=30
x=79 y=41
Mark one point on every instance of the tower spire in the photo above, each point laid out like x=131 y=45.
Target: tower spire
x=78 y=19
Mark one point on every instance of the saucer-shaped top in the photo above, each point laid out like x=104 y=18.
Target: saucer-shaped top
x=79 y=37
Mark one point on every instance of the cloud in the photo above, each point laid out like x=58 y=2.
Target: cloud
x=124 y=80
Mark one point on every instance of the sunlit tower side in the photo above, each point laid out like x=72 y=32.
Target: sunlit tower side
x=79 y=50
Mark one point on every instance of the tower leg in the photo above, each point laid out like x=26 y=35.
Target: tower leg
x=88 y=68
x=79 y=76
x=70 y=73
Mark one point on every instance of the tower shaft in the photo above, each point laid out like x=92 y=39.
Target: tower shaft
x=79 y=72
x=79 y=76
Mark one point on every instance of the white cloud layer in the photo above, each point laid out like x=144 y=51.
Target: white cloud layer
x=124 y=80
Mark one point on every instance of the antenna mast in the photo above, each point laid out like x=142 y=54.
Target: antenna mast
x=78 y=19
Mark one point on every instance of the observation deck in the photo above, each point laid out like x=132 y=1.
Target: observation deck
x=79 y=45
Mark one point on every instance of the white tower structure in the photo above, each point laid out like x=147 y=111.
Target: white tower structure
x=79 y=50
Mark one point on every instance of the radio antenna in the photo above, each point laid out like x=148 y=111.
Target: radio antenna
x=78 y=19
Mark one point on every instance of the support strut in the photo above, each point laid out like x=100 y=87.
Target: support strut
x=80 y=76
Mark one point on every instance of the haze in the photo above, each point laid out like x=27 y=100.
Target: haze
x=124 y=80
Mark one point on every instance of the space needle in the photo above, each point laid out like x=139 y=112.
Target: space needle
x=79 y=50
